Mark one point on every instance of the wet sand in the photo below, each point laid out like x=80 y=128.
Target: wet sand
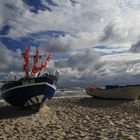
x=75 y=118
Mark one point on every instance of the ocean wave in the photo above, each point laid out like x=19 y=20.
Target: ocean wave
x=70 y=92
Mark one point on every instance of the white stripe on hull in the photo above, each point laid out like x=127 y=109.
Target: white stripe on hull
x=28 y=86
x=116 y=93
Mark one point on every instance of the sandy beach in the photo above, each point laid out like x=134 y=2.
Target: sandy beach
x=73 y=118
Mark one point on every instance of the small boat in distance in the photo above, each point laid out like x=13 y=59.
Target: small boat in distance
x=129 y=92
x=33 y=90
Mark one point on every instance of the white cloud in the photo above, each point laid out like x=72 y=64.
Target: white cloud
x=84 y=16
x=9 y=11
x=70 y=43
x=112 y=23
x=121 y=57
x=10 y=61
x=122 y=73
x=114 y=18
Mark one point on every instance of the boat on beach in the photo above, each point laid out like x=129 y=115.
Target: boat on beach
x=129 y=92
x=34 y=89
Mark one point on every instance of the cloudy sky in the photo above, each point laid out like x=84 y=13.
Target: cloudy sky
x=92 y=41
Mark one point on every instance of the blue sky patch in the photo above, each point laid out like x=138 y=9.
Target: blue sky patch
x=31 y=40
x=36 y=5
x=5 y=30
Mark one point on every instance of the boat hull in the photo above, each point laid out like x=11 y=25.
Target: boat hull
x=130 y=93
x=30 y=92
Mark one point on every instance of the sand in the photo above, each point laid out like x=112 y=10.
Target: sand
x=75 y=118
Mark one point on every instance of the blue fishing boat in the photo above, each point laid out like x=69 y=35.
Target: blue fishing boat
x=31 y=90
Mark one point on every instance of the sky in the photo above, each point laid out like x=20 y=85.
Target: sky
x=93 y=42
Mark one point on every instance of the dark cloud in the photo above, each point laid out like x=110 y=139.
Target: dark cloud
x=115 y=30
x=80 y=61
x=135 y=48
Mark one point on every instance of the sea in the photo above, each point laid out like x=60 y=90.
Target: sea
x=66 y=92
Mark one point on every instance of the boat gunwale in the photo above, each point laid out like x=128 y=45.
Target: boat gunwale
x=34 y=84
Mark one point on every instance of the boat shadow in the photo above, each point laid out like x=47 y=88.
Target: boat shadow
x=7 y=112
x=93 y=102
